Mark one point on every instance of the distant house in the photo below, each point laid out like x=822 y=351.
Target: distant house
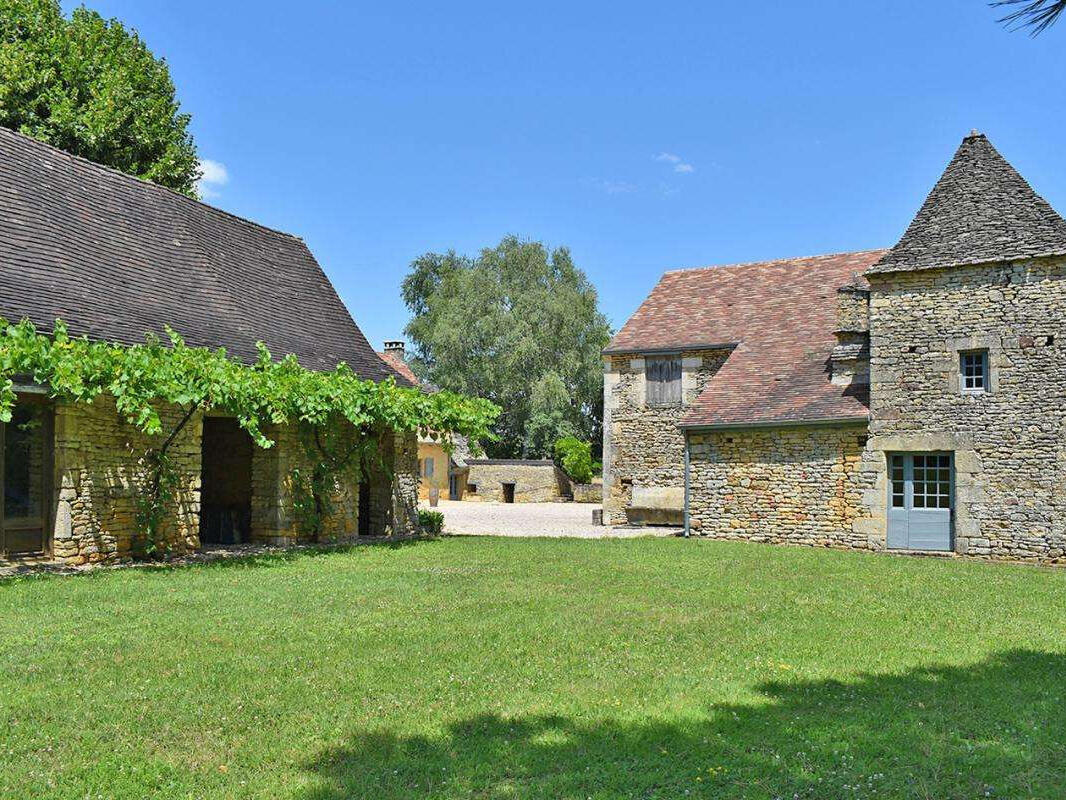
x=909 y=399
x=437 y=467
x=116 y=258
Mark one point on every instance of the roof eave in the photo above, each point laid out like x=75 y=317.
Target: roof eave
x=888 y=269
x=781 y=423
x=680 y=348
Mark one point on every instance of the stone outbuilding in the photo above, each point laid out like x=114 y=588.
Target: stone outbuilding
x=516 y=481
x=117 y=258
x=909 y=399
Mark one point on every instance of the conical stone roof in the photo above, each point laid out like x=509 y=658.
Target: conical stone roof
x=981 y=210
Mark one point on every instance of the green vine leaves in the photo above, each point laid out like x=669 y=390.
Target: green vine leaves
x=143 y=377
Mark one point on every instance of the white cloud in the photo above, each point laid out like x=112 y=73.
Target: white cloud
x=679 y=164
x=213 y=175
x=611 y=187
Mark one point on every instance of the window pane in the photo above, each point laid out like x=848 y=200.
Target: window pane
x=973 y=367
x=24 y=463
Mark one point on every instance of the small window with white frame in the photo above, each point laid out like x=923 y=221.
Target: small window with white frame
x=973 y=371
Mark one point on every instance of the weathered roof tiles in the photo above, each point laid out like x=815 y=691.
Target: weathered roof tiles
x=777 y=316
x=117 y=257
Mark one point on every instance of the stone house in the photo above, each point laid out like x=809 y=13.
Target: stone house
x=908 y=399
x=117 y=258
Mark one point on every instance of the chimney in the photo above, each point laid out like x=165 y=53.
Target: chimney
x=394 y=346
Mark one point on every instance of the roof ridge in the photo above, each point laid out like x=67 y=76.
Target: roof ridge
x=143 y=181
x=778 y=260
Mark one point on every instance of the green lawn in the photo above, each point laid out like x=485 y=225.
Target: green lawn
x=500 y=668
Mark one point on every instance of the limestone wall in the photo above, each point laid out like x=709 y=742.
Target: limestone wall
x=99 y=474
x=642 y=445
x=274 y=520
x=797 y=485
x=534 y=481
x=1009 y=444
x=404 y=485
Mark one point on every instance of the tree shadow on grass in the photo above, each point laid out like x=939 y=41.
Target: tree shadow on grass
x=993 y=729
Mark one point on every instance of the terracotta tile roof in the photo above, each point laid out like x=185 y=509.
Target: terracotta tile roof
x=117 y=257
x=398 y=365
x=779 y=317
x=980 y=210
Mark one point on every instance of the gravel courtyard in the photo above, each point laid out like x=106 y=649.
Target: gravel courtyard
x=533 y=519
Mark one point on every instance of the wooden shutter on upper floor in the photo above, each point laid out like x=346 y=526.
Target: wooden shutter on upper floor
x=663 y=377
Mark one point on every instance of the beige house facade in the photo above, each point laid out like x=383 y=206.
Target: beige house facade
x=910 y=399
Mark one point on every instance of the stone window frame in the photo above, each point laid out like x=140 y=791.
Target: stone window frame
x=966 y=487
x=956 y=347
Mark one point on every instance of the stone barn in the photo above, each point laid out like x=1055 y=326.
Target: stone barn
x=117 y=258
x=910 y=399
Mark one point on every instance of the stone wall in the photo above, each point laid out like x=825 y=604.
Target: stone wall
x=403 y=482
x=274 y=520
x=796 y=485
x=642 y=445
x=534 y=481
x=1009 y=444
x=99 y=474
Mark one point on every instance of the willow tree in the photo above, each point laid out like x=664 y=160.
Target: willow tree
x=518 y=325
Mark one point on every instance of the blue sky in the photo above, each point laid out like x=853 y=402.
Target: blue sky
x=643 y=136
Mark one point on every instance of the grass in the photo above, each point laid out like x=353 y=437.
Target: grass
x=511 y=668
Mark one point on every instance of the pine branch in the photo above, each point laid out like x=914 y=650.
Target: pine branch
x=1038 y=15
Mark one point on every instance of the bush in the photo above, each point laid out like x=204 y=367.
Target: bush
x=575 y=458
x=431 y=522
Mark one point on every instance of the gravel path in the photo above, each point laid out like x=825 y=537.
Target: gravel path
x=533 y=519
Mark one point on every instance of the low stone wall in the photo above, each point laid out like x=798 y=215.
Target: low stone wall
x=799 y=485
x=587 y=492
x=534 y=481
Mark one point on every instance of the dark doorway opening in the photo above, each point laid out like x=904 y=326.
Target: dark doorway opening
x=225 y=483
x=364 y=508
x=26 y=477
x=508 y=492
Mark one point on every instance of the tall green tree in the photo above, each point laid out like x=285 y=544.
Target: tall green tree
x=517 y=325
x=91 y=87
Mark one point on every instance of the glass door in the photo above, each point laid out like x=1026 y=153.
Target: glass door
x=921 y=501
